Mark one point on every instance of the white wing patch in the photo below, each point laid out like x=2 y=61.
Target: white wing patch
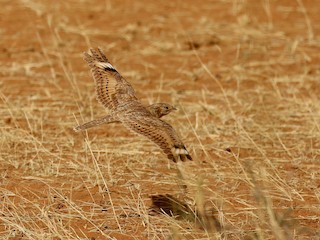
x=180 y=151
x=104 y=65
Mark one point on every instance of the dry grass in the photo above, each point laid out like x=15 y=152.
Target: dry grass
x=245 y=76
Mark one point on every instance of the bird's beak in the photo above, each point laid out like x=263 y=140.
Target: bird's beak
x=173 y=108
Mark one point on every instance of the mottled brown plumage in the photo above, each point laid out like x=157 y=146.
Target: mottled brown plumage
x=157 y=110
x=117 y=95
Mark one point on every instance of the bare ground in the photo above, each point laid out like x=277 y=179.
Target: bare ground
x=245 y=76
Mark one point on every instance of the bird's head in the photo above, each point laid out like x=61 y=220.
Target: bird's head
x=161 y=109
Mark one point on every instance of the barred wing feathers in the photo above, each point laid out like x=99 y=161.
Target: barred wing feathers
x=159 y=132
x=111 y=88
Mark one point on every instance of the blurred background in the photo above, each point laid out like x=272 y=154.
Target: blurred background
x=244 y=75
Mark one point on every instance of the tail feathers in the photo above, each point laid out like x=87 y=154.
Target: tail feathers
x=104 y=120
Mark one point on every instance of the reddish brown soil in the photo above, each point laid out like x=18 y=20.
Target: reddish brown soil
x=245 y=76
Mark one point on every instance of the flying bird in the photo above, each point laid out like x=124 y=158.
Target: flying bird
x=157 y=110
x=118 y=96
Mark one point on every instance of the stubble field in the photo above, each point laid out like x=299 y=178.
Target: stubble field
x=245 y=77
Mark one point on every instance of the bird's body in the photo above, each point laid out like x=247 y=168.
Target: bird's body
x=157 y=110
x=117 y=95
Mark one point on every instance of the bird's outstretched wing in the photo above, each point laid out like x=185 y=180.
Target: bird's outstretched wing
x=159 y=132
x=111 y=88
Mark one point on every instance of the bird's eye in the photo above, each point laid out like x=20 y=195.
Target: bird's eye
x=166 y=108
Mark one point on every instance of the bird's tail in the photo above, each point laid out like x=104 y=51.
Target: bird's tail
x=104 y=120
